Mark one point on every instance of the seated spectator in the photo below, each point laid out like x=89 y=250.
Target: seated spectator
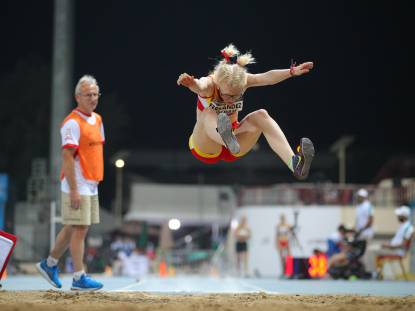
x=353 y=249
x=399 y=244
x=335 y=241
x=136 y=264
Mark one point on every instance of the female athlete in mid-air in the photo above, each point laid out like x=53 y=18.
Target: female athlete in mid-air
x=218 y=135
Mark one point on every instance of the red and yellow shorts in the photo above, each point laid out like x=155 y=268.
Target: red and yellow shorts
x=224 y=154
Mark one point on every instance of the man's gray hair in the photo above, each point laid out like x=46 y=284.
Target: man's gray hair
x=85 y=79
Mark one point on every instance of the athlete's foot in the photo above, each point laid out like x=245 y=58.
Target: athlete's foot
x=225 y=131
x=302 y=160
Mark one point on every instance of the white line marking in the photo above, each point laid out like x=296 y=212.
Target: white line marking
x=191 y=293
x=258 y=288
x=129 y=286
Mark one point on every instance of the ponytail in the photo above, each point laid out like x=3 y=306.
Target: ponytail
x=236 y=75
x=246 y=59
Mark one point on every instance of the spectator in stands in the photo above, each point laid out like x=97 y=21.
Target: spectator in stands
x=400 y=242
x=364 y=223
x=116 y=246
x=242 y=234
x=128 y=245
x=135 y=264
x=335 y=241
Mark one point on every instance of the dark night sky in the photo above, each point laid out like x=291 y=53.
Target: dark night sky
x=360 y=85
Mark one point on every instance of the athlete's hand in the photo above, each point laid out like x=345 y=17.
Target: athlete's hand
x=186 y=80
x=75 y=198
x=303 y=68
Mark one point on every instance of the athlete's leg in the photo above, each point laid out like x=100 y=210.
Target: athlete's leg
x=288 y=250
x=281 y=252
x=335 y=259
x=245 y=262
x=238 y=261
x=259 y=122
x=205 y=136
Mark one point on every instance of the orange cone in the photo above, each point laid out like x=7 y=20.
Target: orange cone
x=163 y=269
x=5 y=274
x=213 y=271
x=108 y=271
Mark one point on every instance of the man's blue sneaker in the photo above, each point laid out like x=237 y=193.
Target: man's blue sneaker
x=86 y=282
x=50 y=274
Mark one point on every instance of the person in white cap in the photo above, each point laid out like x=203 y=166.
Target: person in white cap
x=399 y=243
x=364 y=223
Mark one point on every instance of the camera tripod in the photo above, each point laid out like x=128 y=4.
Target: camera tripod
x=293 y=236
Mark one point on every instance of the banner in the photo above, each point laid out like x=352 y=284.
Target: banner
x=7 y=243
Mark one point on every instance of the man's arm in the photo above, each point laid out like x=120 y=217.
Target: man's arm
x=235 y=234
x=69 y=169
x=249 y=233
x=369 y=223
x=203 y=86
x=403 y=245
x=275 y=76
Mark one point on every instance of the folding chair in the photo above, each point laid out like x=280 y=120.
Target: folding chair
x=7 y=243
x=391 y=258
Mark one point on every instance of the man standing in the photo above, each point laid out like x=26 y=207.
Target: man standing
x=364 y=223
x=83 y=168
x=242 y=235
x=398 y=246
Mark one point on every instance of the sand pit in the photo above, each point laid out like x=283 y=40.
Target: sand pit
x=94 y=301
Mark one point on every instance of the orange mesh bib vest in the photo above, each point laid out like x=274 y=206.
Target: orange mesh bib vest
x=90 y=151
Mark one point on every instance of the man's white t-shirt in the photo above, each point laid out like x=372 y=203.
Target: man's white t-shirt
x=71 y=133
x=363 y=211
x=404 y=232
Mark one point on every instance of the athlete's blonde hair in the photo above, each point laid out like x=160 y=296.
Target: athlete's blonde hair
x=235 y=75
x=85 y=79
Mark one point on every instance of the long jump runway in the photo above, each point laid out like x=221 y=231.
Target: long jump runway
x=207 y=285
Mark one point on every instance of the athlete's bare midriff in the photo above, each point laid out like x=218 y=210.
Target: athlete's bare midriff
x=233 y=117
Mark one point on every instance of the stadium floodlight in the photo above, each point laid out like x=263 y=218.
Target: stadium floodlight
x=339 y=147
x=174 y=224
x=119 y=163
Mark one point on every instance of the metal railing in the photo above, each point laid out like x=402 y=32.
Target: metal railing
x=324 y=194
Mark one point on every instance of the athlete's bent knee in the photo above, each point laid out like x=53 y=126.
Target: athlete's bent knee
x=210 y=112
x=262 y=113
x=258 y=117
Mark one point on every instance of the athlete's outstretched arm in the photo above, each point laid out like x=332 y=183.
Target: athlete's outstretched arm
x=275 y=76
x=203 y=86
